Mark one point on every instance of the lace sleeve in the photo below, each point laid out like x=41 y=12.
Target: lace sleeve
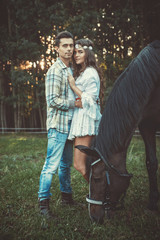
x=90 y=106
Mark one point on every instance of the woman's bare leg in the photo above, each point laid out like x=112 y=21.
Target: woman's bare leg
x=80 y=157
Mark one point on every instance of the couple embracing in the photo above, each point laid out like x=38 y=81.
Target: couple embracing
x=73 y=114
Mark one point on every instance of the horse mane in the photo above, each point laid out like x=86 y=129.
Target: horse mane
x=127 y=100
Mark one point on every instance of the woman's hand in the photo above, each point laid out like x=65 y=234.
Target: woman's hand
x=71 y=81
x=73 y=86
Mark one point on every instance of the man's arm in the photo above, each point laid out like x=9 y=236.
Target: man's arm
x=53 y=83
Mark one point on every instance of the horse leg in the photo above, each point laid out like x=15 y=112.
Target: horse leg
x=148 y=133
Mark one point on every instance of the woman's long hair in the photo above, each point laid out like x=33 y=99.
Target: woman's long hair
x=90 y=61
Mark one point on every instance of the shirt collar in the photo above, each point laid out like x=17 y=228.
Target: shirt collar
x=62 y=63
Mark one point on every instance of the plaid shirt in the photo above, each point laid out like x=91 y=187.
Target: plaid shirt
x=56 y=87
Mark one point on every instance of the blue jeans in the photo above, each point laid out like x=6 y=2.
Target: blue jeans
x=59 y=156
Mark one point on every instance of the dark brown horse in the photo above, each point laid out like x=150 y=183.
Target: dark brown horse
x=133 y=102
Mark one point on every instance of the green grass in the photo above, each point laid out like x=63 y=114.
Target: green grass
x=21 y=160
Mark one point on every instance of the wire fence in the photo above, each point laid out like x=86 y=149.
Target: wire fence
x=23 y=130
x=44 y=131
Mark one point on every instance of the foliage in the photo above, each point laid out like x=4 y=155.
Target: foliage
x=118 y=28
x=22 y=157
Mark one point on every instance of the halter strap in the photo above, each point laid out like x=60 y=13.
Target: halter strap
x=92 y=201
x=110 y=166
x=98 y=160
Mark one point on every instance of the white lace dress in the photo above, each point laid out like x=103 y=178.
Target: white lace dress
x=86 y=120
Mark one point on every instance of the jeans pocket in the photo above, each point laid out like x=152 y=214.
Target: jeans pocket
x=57 y=136
x=52 y=133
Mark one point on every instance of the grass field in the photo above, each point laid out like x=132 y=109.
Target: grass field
x=21 y=160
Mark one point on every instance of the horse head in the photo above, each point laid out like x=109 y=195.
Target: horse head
x=107 y=186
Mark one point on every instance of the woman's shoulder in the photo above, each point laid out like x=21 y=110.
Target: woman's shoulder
x=91 y=72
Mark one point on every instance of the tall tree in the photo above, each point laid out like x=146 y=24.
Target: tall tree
x=118 y=28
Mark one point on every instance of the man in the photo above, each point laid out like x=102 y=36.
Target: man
x=60 y=104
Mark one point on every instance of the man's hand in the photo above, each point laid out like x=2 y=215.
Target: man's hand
x=78 y=104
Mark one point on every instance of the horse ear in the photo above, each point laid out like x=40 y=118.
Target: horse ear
x=87 y=150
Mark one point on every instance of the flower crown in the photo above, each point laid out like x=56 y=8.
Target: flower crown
x=84 y=47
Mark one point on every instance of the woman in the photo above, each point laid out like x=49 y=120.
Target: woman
x=85 y=120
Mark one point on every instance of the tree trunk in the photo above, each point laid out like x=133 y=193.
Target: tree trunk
x=3 y=121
